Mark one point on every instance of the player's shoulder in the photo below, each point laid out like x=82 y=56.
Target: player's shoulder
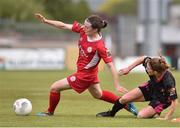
x=168 y=78
x=168 y=74
x=77 y=27
x=100 y=43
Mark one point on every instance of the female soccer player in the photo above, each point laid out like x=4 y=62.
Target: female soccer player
x=159 y=90
x=91 y=50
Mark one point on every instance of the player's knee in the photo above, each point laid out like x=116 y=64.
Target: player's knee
x=141 y=115
x=97 y=95
x=54 y=88
x=123 y=100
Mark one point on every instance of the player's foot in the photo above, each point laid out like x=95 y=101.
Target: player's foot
x=132 y=109
x=105 y=114
x=44 y=114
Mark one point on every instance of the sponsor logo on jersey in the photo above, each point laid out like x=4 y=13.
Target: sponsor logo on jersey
x=73 y=78
x=82 y=52
x=172 y=91
x=89 y=49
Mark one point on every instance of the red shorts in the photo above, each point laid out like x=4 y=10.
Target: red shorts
x=80 y=82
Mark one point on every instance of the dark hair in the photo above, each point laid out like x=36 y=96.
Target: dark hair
x=97 y=22
x=158 y=64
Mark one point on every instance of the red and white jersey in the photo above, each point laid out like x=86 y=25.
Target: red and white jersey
x=90 y=53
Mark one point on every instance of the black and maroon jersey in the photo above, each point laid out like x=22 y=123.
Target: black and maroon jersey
x=163 y=89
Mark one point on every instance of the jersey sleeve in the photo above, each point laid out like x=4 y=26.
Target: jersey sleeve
x=104 y=53
x=169 y=83
x=77 y=27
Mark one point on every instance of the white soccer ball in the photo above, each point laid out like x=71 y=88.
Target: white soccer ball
x=22 y=106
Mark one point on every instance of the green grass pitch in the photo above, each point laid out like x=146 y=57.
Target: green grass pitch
x=74 y=110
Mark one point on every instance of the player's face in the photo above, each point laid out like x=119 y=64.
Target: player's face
x=88 y=29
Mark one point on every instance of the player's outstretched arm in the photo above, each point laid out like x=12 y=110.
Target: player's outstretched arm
x=126 y=70
x=115 y=79
x=172 y=108
x=57 y=24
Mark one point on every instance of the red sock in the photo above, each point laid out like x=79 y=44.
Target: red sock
x=54 y=98
x=109 y=96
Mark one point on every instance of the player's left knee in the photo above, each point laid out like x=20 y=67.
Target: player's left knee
x=97 y=96
x=141 y=116
x=144 y=116
x=123 y=100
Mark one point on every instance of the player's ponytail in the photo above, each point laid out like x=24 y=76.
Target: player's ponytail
x=163 y=63
x=104 y=23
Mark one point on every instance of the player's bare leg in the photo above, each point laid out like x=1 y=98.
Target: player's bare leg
x=108 y=96
x=133 y=95
x=147 y=112
x=95 y=91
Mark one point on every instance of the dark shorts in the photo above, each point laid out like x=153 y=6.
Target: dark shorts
x=146 y=91
x=155 y=103
x=158 y=106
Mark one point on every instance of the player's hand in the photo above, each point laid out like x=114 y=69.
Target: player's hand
x=175 y=120
x=123 y=71
x=121 y=89
x=40 y=17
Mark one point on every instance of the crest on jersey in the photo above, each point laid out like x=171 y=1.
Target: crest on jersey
x=72 y=78
x=89 y=49
x=172 y=91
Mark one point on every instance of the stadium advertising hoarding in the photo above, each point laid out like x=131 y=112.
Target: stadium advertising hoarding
x=52 y=59
x=32 y=59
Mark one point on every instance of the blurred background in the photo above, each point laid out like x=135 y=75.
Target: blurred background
x=135 y=27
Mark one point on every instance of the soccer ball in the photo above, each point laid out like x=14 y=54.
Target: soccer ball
x=22 y=107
